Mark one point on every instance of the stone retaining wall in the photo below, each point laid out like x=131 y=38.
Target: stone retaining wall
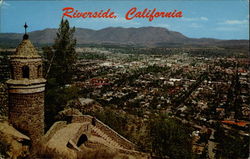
x=85 y=129
x=53 y=129
x=107 y=130
x=138 y=154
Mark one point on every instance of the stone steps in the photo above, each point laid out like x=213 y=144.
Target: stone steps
x=107 y=138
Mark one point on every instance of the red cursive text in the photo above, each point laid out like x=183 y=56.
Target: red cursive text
x=151 y=14
x=72 y=13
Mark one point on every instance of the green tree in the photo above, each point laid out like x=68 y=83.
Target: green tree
x=170 y=138
x=230 y=145
x=116 y=121
x=61 y=62
x=59 y=65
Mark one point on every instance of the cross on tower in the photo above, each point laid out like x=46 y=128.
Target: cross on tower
x=25 y=27
x=25 y=36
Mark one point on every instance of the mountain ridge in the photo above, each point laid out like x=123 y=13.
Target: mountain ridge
x=143 y=36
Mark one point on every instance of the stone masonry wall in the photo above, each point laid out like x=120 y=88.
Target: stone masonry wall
x=35 y=68
x=107 y=130
x=3 y=101
x=26 y=114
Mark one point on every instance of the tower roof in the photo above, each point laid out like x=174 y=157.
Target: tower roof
x=26 y=49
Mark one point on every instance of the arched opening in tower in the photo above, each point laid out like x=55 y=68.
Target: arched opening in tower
x=26 y=72
x=12 y=72
x=39 y=71
x=83 y=138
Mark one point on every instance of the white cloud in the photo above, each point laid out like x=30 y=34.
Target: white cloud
x=195 y=19
x=204 y=18
x=235 y=22
x=233 y=25
x=227 y=29
x=122 y=20
x=3 y=3
x=119 y=20
x=195 y=25
x=163 y=25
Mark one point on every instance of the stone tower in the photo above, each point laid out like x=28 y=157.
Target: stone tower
x=26 y=90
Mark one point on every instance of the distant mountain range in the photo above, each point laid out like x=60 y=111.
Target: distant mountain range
x=144 y=36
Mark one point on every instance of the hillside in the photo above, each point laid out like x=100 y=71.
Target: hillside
x=144 y=36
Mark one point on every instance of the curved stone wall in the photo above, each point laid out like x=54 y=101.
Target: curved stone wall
x=26 y=114
x=107 y=130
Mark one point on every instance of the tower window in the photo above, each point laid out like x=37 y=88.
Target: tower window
x=26 y=72
x=12 y=72
x=39 y=71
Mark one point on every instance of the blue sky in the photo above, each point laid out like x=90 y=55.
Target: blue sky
x=222 y=19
